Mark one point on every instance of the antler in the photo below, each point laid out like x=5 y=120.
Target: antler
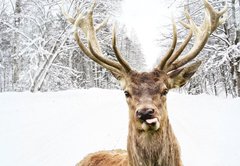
x=94 y=52
x=201 y=33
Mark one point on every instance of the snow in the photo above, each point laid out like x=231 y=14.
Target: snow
x=59 y=128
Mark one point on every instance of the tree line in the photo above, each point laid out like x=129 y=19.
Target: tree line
x=38 y=52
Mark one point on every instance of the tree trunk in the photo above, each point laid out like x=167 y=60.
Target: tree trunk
x=38 y=81
x=236 y=27
x=237 y=77
x=222 y=71
x=214 y=85
x=233 y=73
x=17 y=21
x=90 y=74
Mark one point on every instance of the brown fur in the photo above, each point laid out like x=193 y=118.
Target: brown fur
x=105 y=158
x=154 y=149
x=144 y=148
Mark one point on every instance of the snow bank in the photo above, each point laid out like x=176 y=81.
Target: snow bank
x=58 y=129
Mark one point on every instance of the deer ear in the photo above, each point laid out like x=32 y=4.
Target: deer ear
x=179 y=77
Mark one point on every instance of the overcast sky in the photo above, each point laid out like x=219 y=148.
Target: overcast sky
x=146 y=17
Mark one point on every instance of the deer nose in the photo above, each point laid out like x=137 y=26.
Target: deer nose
x=145 y=113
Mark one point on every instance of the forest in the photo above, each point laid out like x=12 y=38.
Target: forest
x=38 y=51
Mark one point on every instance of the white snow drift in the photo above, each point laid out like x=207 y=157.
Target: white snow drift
x=58 y=129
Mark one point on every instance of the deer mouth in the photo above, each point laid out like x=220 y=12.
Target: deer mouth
x=150 y=124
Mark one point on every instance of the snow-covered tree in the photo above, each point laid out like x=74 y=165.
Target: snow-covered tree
x=38 y=51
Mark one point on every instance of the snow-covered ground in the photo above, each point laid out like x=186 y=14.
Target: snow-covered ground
x=58 y=129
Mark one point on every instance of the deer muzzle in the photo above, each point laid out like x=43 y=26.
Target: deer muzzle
x=147 y=116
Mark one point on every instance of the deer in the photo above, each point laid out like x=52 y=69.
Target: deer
x=151 y=140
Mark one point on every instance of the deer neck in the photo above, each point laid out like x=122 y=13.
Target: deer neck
x=153 y=148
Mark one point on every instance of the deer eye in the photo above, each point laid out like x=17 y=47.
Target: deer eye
x=127 y=94
x=164 y=92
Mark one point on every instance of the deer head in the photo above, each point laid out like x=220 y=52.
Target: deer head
x=146 y=92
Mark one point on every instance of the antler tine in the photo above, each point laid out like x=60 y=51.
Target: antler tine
x=178 y=52
x=123 y=64
x=117 y=52
x=99 y=26
x=214 y=15
x=85 y=23
x=162 y=64
x=201 y=34
x=68 y=17
x=89 y=54
x=102 y=61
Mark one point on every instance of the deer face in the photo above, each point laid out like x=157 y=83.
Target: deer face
x=146 y=97
x=146 y=94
